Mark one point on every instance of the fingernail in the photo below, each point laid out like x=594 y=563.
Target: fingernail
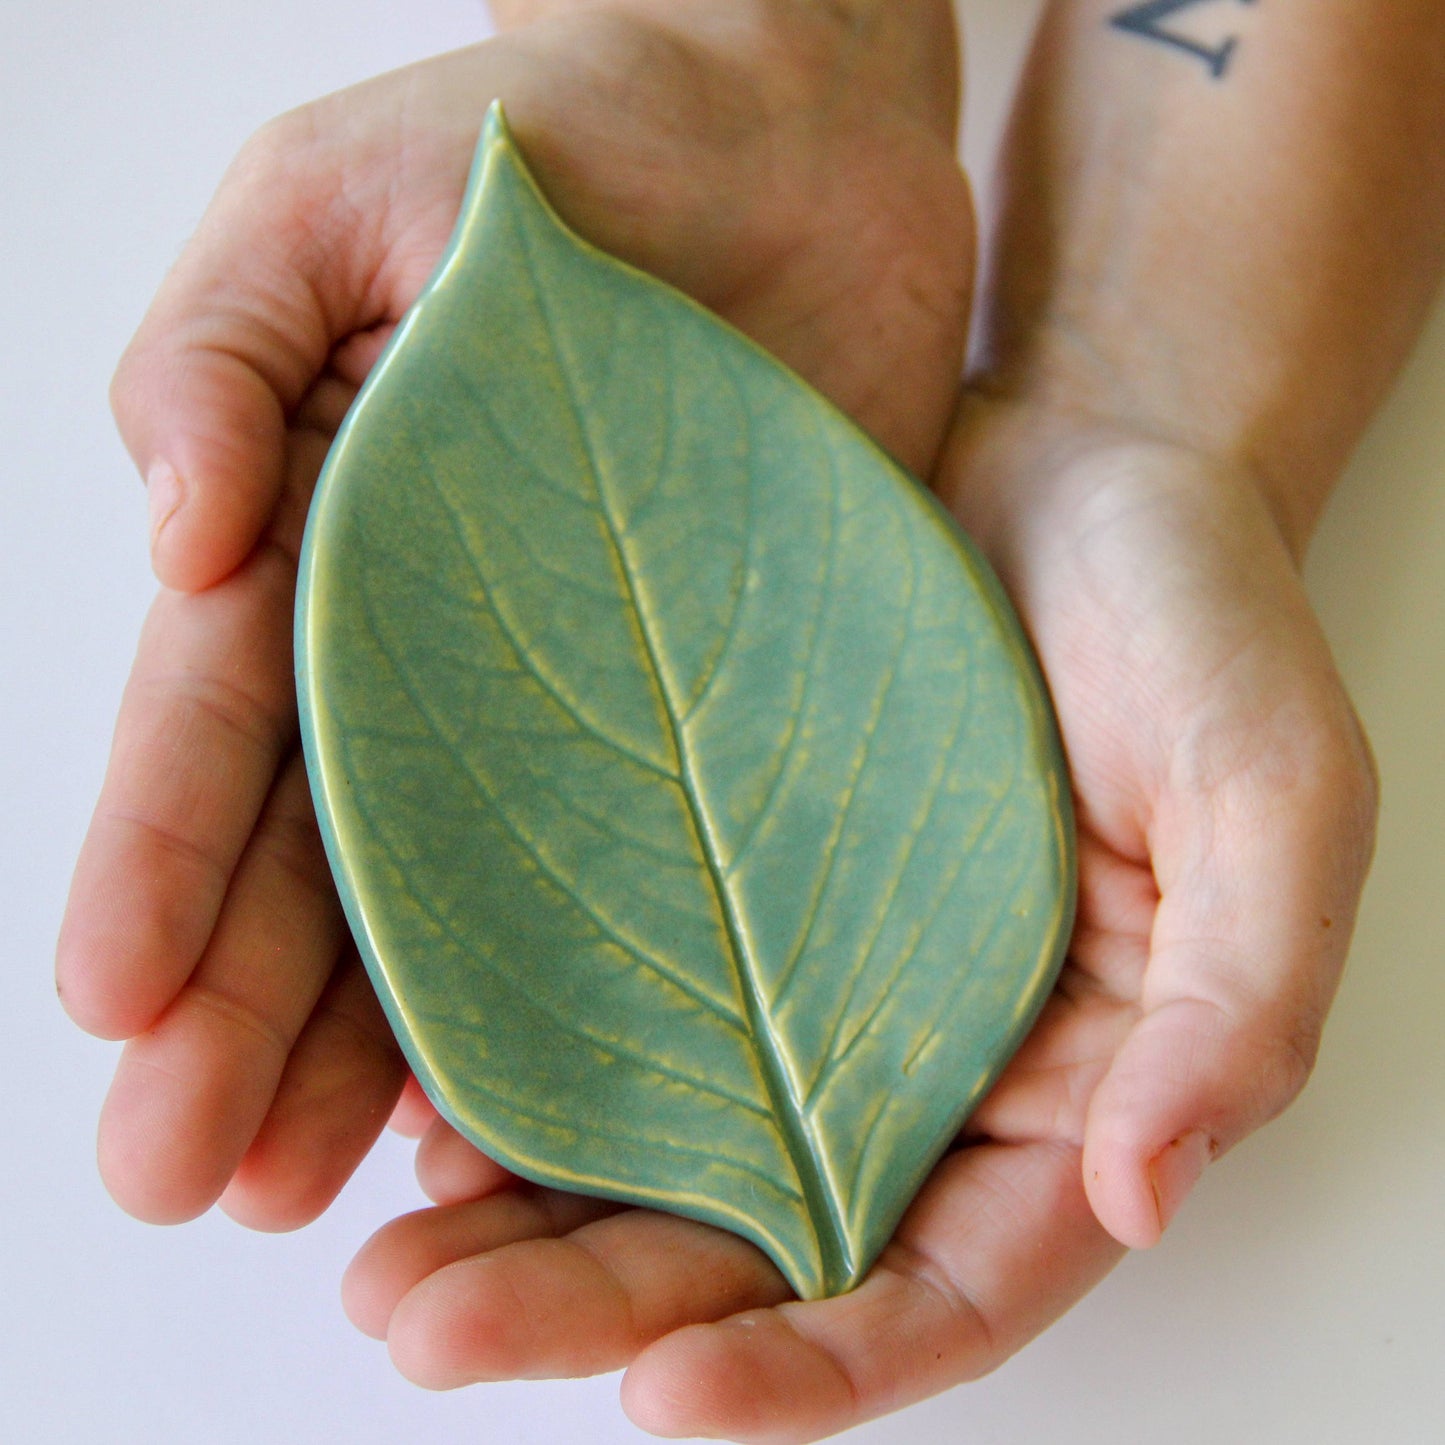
x=165 y=495
x=1175 y=1171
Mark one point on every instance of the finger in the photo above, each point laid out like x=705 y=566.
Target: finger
x=207 y=714
x=573 y=1303
x=352 y=360
x=341 y=1083
x=1044 y=1092
x=451 y=1170
x=278 y=271
x=998 y=1245
x=414 y=1113
x=409 y=1250
x=190 y=1092
x=1259 y=881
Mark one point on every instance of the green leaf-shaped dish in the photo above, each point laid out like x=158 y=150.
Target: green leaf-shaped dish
x=688 y=782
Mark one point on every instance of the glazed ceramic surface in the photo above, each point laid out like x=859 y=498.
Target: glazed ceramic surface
x=688 y=782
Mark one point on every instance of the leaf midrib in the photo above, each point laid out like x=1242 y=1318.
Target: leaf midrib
x=821 y=1200
x=802 y=1150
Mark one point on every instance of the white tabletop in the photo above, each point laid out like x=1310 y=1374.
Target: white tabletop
x=1297 y=1299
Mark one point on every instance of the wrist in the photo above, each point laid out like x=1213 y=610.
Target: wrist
x=1076 y=391
x=1029 y=475
x=902 y=50
x=1235 y=260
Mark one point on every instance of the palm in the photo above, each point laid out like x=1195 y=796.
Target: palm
x=1222 y=789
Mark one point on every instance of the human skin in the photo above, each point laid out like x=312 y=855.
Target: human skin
x=1182 y=334
x=1185 y=331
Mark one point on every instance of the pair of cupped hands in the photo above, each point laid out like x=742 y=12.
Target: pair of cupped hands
x=807 y=190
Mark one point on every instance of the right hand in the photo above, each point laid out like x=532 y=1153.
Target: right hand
x=794 y=175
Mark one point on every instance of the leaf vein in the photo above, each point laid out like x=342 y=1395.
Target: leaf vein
x=529 y=994
x=714 y=670
x=935 y=792
x=537 y=563
x=834 y=1057
x=863 y=753
x=659 y=474
x=608 y=927
x=785 y=754
x=527 y=461
x=977 y=951
x=570 y=706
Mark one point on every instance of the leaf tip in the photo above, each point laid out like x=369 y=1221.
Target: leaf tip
x=496 y=130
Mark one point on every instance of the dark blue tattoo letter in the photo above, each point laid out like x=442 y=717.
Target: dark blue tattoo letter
x=1148 y=21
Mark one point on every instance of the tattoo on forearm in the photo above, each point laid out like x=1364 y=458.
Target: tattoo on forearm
x=1149 y=22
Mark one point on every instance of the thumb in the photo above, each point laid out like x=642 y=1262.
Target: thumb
x=236 y=335
x=1259 y=880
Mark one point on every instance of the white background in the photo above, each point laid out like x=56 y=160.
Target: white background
x=1299 y=1297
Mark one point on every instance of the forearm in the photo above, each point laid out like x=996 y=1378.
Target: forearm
x=1227 y=248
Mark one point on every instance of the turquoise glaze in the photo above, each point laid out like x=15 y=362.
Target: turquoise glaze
x=687 y=779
